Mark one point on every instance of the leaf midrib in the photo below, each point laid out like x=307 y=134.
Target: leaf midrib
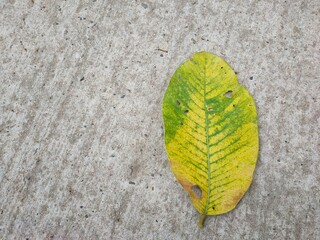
x=207 y=136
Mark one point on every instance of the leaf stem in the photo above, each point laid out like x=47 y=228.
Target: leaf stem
x=201 y=220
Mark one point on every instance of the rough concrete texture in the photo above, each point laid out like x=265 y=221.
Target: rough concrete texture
x=81 y=134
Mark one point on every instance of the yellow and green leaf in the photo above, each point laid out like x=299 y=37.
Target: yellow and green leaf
x=211 y=133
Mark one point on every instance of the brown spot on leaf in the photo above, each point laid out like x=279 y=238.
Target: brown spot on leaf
x=185 y=184
x=237 y=197
x=193 y=189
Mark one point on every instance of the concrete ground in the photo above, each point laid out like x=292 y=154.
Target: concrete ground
x=81 y=134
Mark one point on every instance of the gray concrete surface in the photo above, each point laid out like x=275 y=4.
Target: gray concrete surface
x=81 y=145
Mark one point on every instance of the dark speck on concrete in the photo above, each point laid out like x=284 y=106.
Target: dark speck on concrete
x=161 y=55
x=130 y=182
x=123 y=96
x=251 y=78
x=144 y=5
x=81 y=79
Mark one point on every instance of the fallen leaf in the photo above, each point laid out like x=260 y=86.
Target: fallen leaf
x=211 y=133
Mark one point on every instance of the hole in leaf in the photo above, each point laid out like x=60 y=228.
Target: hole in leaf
x=213 y=208
x=178 y=103
x=196 y=190
x=186 y=111
x=228 y=94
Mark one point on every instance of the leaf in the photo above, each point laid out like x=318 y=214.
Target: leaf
x=211 y=133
